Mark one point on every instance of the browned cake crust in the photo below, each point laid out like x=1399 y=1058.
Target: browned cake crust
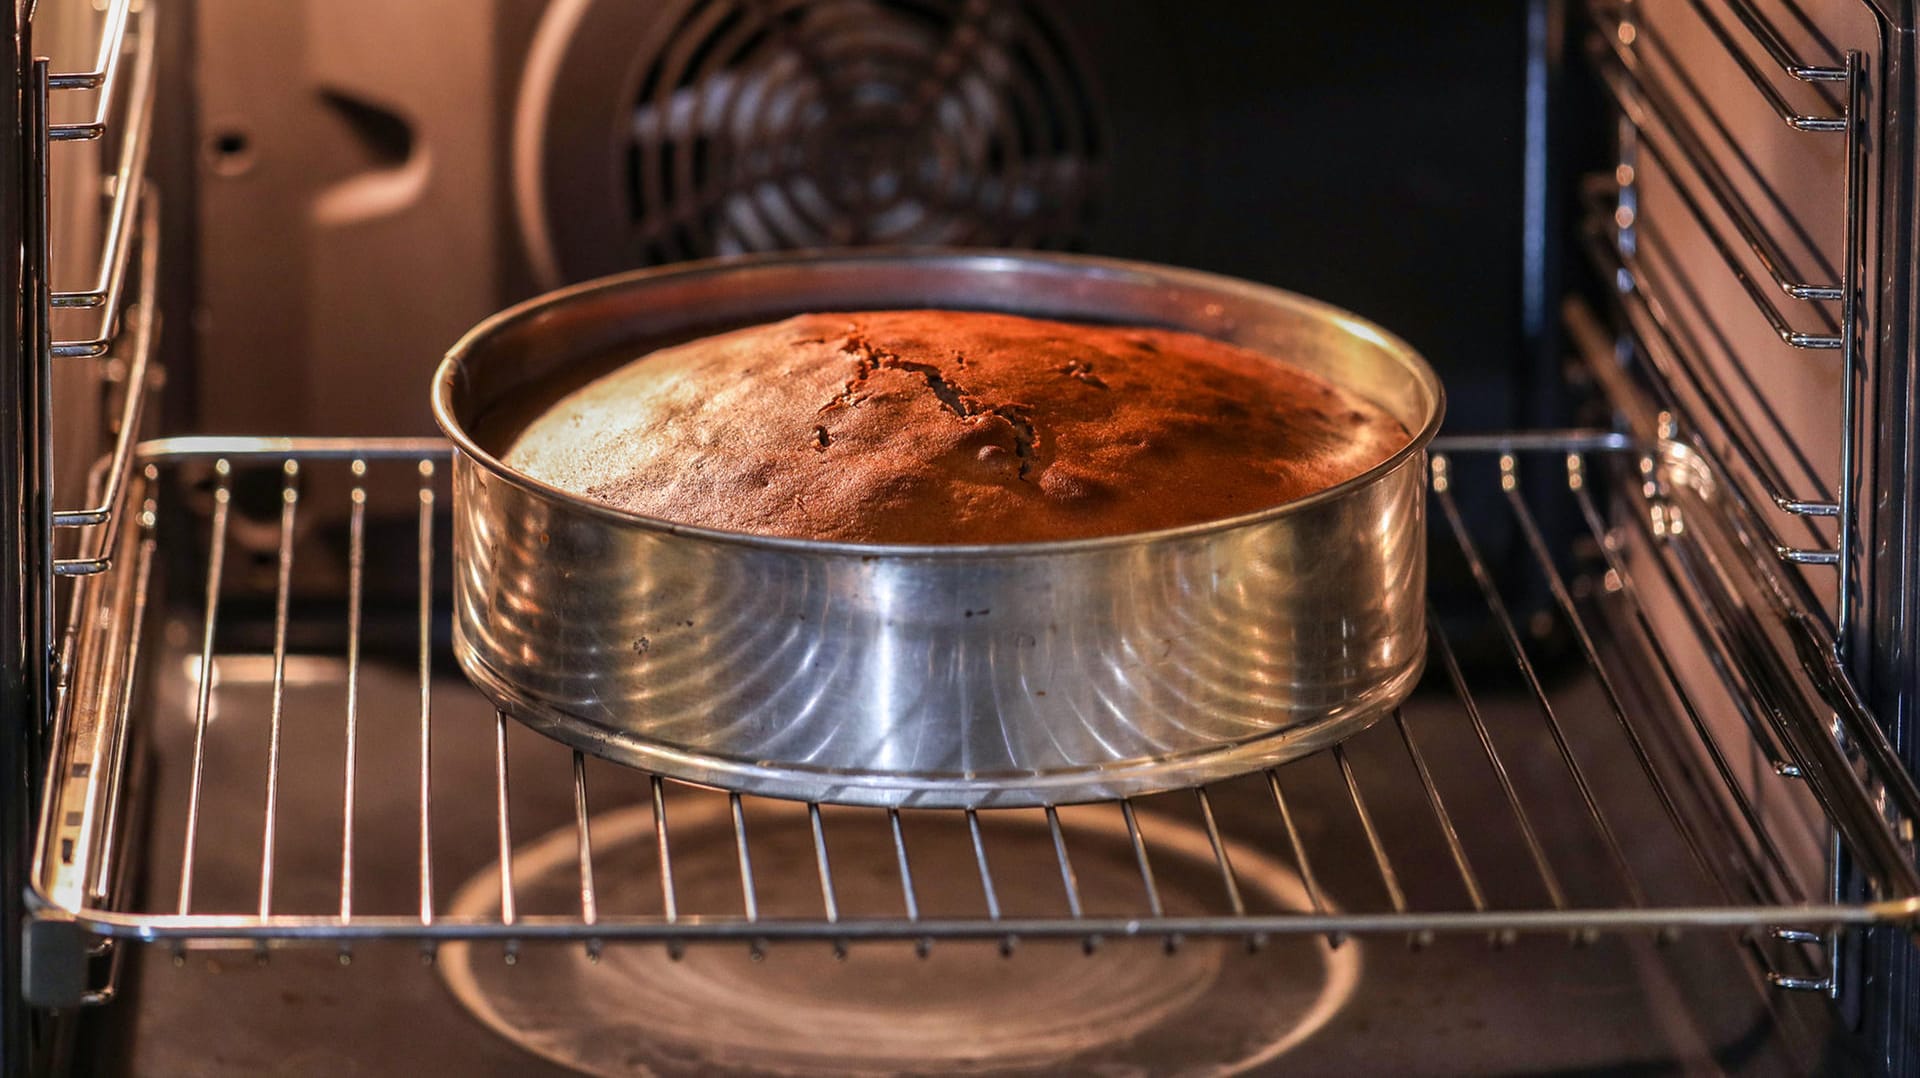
x=952 y=427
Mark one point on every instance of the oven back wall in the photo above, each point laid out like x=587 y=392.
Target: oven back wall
x=360 y=204
x=345 y=237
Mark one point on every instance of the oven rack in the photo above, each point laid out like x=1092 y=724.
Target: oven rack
x=1709 y=831
x=1658 y=129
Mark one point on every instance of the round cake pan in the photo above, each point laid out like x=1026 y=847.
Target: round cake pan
x=937 y=676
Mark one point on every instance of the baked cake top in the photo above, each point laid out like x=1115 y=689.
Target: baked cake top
x=952 y=427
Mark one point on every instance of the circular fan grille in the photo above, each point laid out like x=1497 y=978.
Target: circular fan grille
x=770 y=124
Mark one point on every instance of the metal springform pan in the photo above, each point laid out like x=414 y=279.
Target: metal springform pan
x=936 y=676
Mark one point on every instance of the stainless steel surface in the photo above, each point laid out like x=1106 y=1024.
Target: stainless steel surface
x=1521 y=850
x=959 y=676
x=365 y=137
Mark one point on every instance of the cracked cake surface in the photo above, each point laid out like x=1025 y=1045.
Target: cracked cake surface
x=952 y=427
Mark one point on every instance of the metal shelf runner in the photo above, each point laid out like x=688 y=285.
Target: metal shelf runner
x=123 y=80
x=1664 y=135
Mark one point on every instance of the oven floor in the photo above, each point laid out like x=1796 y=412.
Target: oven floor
x=1620 y=1005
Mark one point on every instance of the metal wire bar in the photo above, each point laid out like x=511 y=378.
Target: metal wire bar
x=904 y=864
x=1220 y=858
x=583 y=827
x=1800 y=984
x=749 y=895
x=829 y=903
x=503 y=821
x=1577 y=439
x=116 y=768
x=987 y=890
x=283 y=593
x=669 y=901
x=1852 y=371
x=222 y=928
x=1142 y=860
x=216 y=562
x=1224 y=862
x=356 y=590
x=1068 y=881
x=1795 y=556
x=823 y=864
x=986 y=878
x=270 y=450
x=425 y=558
x=1477 y=566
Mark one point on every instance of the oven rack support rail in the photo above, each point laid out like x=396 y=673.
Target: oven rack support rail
x=1787 y=293
x=1737 y=870
x=101 y=311
x=122 y=82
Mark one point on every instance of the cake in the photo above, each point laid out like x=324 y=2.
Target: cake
x=952 y=427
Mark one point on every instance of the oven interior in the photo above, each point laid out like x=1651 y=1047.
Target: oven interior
x=1650 y=809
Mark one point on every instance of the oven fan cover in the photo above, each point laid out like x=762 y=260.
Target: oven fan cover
x=646 y=134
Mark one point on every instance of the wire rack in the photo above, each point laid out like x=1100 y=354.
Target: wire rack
x=1560 y=770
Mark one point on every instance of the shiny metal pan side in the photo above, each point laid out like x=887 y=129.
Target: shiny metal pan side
x=949 y=676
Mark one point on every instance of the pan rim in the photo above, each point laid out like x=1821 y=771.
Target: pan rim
x=448 y=373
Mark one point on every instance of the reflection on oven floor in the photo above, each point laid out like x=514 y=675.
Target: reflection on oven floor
x=800 y=1011
x=1458 y=1006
